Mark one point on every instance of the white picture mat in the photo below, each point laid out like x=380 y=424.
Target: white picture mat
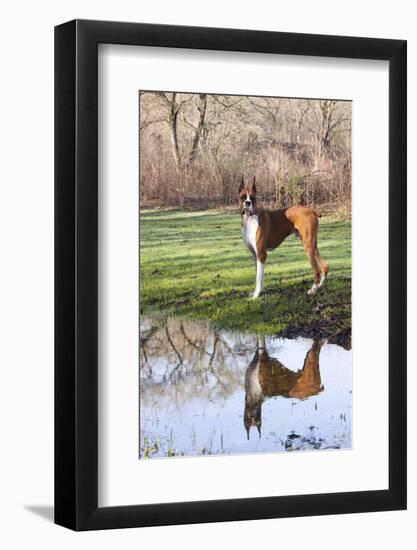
x=123 y=479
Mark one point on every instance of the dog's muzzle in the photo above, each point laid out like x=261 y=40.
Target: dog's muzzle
x=248 y=210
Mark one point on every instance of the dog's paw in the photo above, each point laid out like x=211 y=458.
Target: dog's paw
x=254 y=295
x=313 y=290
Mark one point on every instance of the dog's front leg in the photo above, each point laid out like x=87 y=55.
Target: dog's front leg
x=260 y=269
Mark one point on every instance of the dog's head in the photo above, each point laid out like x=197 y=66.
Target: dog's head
x=247 y=198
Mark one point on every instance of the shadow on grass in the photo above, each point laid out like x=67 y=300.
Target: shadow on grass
x=280 y=307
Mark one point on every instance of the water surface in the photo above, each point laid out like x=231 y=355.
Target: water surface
x=205 y=392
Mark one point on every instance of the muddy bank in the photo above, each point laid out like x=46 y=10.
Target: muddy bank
x=320 y=330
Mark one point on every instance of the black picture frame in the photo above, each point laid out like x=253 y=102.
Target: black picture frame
x=76 y=272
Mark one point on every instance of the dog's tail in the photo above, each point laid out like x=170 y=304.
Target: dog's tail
x=316 y=212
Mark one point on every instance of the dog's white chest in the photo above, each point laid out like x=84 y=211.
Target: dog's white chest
x=249 y=230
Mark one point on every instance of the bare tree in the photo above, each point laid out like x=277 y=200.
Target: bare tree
x=195 y=147
x=202 y=107
x=329 y=123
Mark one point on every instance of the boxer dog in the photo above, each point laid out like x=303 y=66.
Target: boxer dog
x=265 y=230
x=267 y=377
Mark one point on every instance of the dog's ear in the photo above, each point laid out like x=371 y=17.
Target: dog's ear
x=242 y=184
x=254 y=184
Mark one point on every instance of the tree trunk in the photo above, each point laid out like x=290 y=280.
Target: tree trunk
x=173 y=126
x=197 y=136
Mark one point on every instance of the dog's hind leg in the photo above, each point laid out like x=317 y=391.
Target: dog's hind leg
x=323 y=266
x=309 y=244
x=308 y=232
x=315 y=267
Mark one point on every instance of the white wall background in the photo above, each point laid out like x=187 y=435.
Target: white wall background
x=26 y=272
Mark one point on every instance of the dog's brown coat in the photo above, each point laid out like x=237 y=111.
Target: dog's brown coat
x=275 y=226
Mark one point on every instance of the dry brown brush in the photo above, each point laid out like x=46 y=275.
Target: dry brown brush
x=194 y=149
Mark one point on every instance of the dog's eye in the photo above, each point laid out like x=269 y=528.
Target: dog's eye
x=252 y=198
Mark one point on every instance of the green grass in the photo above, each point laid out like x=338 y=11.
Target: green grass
x=195 y=264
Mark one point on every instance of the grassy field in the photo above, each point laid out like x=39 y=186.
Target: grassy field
x=195 y=264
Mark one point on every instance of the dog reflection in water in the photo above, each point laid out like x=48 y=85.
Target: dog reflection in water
x=267 y=377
